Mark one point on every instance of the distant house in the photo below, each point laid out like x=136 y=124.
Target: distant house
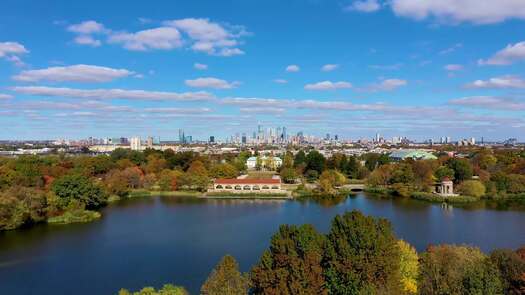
x=265 y=162
x=400 y=155
x=236 y=185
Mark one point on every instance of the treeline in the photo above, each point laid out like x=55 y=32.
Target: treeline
x=37 y=188
x=482 y=172
x=361 y=255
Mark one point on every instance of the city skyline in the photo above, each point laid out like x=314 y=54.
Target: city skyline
x=351 y=68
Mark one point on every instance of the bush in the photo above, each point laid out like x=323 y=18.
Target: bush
x=80 y=188
x=473 y=188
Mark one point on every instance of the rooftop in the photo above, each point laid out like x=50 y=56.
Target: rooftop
x=247 y=181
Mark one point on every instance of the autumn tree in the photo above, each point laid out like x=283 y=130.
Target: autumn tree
x=292 y=264
x=408 y=267
x=362 y=256
x=473 y=188
x=512 y=270
x=226 y=279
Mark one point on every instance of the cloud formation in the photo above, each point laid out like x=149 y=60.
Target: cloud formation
x=329 y=67
x=74 y=73
x=503 y=82
x=328 y=85
x=199 y=66
x=11 y=51
x=5 y=96
x=210 y=82
x=489 y=102
x=453 y=67
x=280 y=81
x=458 y=11
x=202 y=34
x=386 y=85
x=364 y=6
x=293 y=68
x=508 y=55
x=112 y=93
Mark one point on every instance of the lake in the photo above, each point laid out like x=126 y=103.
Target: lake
x=153 y=241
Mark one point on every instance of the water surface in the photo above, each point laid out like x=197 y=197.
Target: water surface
x=153 y=241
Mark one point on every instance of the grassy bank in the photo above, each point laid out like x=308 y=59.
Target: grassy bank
x=76 y=216
x=435 y=198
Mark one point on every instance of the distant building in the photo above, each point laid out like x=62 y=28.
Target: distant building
x=400 y=155
x=246 y=185
x=212 y=139
x=445 y=188
x=265 y=162
x=135 y=144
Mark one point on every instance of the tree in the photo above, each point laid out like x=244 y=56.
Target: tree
x=329 y=180
x=300 y=159
x=78 y=187
x=292 y=265
x=315 y=161
x=511 y=268
x=444 y=171
x=20 y=206
x=226 y=279
x=380 y=176
x=224 y=170
x=402 y=173
x=449 y=269
x=155 y=164
x=167 y=289
x=462 y=169
x=473 y=188
x=362 y=256
x=408 y=267
x=288 y=175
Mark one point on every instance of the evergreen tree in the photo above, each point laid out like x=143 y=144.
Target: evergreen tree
x=226 y=279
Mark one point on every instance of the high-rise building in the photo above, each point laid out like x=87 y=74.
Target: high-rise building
x=378 y=137
x=212 y=139
x=182 y=137
x=243 y=138
x=135 y=143
x=150 y=142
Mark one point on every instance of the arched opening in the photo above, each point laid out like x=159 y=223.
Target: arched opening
x=246 y=188
x=238 y=188
x=256 y=188
x=228 y=187
x=219 y=187
x=265 y=187
x=275 y=187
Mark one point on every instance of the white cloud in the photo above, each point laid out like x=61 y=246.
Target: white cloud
x=387 y=85
x=328 y=85
x=75 y=73
x=489 y=102
x=87 y=27
x=453 y=67
x=451 y=48
x=280 y=81
x=200 y=66
x=5 y=96
x=329 y=67
x=300 y=104
x=210 y=82
x=293 y=68
x=112 y=93
x=392 y=67
x=210 y=37
x=503 y=82
x=457 y=11
x=178 y=110
x=11 y=51
x=506 y=56
x=163 y=38
x=87 y=40
x=364 y=6
x=263 y=110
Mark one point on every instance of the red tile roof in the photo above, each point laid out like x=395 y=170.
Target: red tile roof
x=247 y=181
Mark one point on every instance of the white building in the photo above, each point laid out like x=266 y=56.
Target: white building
x=135 y=144
x=265 y=162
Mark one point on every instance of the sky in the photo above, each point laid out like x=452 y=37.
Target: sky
x=421 y=69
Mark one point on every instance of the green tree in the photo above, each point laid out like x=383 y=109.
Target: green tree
x=362 y=256
x=300 y=159
x=226 y=279
x=78 y=187
x=444 y=171
x=224 y=170
x=473 y=188
x=288 y=175
x=462 y=169
x=292 y=265
x=329 y=180
x=315 y=161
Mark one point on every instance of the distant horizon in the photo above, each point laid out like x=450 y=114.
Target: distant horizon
x=351 y=68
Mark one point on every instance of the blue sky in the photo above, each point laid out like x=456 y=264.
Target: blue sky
x=73 y=69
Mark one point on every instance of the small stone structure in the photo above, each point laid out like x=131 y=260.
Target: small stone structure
x=445 y=188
